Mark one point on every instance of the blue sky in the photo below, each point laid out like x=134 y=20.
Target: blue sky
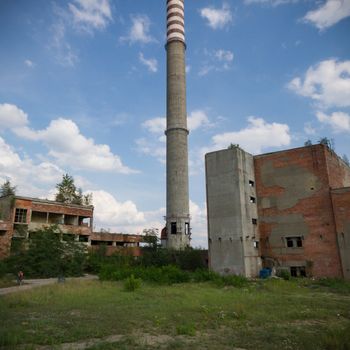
x=82 y=91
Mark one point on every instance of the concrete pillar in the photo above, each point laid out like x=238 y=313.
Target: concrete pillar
x=177 y=205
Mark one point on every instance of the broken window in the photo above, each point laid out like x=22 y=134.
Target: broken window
x=173 y=228
x=256 y=244
x=21 y=215
x=294 y=242
x=251 y=183
x=252 y=200
x=187 y=228
x=254 y=221
x=298 y=271
x=39 y=217
x=83 y=238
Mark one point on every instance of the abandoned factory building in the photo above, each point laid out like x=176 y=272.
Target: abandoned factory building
x=287 y=210
x=21 y=217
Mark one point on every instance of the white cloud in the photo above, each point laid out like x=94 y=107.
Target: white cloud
x=217 y=18
x=272 y=3
x=155 y=125
x=199 y=237
x=12 y=117
x=309 y=129
x=219 y=61
x=224 y=55
x=139 y=31
x=339 y=121
x=329 y=13
x=328 y=83
x=198 y=119
x=151 y=63
x=108 y=211
x=29 y=63
x=63 y=53
x=70 y=148
x=256 y=137
x=91 y=14
x=152 y=148
x=30 y=178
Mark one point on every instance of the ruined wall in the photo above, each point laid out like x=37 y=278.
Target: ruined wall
x=6 y=227
x=294 y=201
x=341 y=206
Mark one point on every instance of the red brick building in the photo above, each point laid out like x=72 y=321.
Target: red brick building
x=303 y=210
x=20 y=217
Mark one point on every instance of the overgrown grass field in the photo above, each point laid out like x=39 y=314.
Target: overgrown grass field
x=271 y=314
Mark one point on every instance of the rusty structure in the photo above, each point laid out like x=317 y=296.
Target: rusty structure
x=21 y=217
x=286 y=210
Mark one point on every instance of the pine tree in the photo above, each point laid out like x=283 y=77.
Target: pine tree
x=66 y=190
x=6 y=189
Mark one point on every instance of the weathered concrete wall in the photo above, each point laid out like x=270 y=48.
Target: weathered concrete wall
x=294 y=201
x=341 y=206
x=231 y=232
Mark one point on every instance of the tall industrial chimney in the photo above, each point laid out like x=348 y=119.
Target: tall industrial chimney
x=177 y=200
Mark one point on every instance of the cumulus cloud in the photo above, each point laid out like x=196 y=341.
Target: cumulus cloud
x=151 y=63
x=12 y=117
x=139 y=31
x=256 y=137
x=29 y=177
x=91 y=14
x=70 y=148
x=109 y=211
x=217 y=18
x=329 y=13
x=339 y=121
x=328 y=83
x=199 y=237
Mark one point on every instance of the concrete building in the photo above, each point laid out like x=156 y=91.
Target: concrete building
x=21 y=217
x=177 y=233
x=232 y=213
x=302 y=198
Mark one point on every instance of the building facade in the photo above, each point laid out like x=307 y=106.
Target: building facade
x=303 y=210
x=21 y=217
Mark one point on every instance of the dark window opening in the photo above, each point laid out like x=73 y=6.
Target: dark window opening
x=256 y=244
x=39 y=217
x=297 y=271
x=70 y=220
x=83 y=238
x=294 y=242
x=3 y=233
x=187 y=228
x=251 y=183
x=254 y=221
x=252 y=200
x=173 y=228
x=120 y=244
x=21 y=215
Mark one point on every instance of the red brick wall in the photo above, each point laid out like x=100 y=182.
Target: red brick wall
x=301 y=175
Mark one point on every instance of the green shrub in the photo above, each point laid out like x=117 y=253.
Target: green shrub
x=238 y=281
x=186 y=329
x=285 y=274
x=204 y=275
x=132 y=283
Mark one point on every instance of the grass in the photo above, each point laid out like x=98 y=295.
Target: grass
x=271 y=314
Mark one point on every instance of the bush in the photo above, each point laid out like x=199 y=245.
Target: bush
x=48 y=256
x=285 y=274
x=233 y=280
x=204 y=275
x=132 y=283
